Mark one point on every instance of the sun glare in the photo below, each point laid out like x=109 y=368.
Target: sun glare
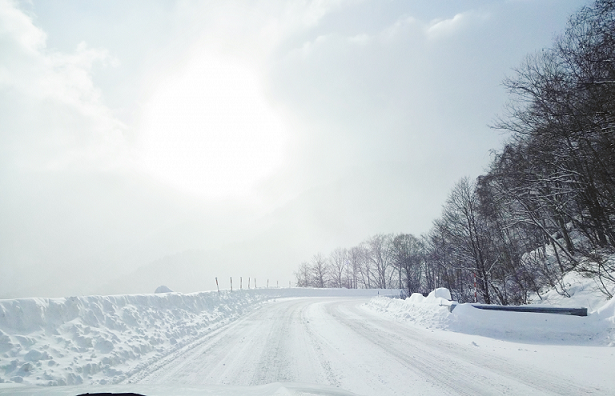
x=209 y=130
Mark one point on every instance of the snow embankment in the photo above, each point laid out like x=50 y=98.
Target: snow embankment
x=433 y=312
x=103 y=339
x=106 y=339
x=579 y=292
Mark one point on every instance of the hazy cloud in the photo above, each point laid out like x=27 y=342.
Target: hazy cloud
x=61 y=121
x=238 y=138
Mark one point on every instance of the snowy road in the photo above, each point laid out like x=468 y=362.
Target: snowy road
x=338 y=342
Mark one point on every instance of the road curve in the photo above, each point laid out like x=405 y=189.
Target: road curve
x=338 y=342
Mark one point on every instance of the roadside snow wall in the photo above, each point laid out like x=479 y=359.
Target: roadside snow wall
x=432 y=312
x=103 y=339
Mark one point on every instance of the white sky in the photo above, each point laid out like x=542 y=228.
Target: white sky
x=238 y=138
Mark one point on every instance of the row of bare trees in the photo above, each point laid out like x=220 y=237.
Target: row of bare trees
x=553 y=184
x=545 y=207
x=382 y=261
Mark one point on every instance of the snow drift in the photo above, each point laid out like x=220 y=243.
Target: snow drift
x=101 y=339
x=106 y=339
x=598 y=328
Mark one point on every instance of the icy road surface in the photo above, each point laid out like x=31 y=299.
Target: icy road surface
x=340 y=342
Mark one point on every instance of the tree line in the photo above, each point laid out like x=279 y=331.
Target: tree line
x=546 y=205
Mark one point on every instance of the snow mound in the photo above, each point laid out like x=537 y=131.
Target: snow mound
x=416 y=298
x=433 y=312
x=104 y=339
x=163 y=289
x=430 y=312
x=441 y=292
x=531 y=327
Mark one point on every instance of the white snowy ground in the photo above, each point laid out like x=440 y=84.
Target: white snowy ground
x=597 y=329
x=250 y=343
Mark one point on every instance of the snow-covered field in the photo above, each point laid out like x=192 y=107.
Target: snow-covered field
x=337 y=341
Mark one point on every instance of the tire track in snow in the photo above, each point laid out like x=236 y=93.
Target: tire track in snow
x=292 y=352
x=142 y=373
x=335 y=342
x=482 y=368
x=386 y=366
x=273 y=365
x=180 y=363
x=332 y=379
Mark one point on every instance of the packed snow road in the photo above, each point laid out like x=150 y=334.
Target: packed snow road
x=339 y=342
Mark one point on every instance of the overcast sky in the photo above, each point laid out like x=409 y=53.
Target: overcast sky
x=240 y=137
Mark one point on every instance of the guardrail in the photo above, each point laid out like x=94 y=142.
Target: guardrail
x=529 y=308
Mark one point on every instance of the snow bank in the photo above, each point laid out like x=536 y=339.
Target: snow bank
x=429 y=312
x=433 y=312
x=103 y=339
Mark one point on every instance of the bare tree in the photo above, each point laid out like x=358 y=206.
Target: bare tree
x=320 y=271
x=380 y=257
x=464 y=228
x=356 y=259
x=304 y=275
x=408 y=255
x=338 y=262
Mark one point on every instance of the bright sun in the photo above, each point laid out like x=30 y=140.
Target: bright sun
x=209 y=130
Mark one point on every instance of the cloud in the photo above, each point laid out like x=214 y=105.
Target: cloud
x=452 y=26
x=62 y=121
x=18 y=27
x=57 y=141
x=446 y=26
x=381 y=106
